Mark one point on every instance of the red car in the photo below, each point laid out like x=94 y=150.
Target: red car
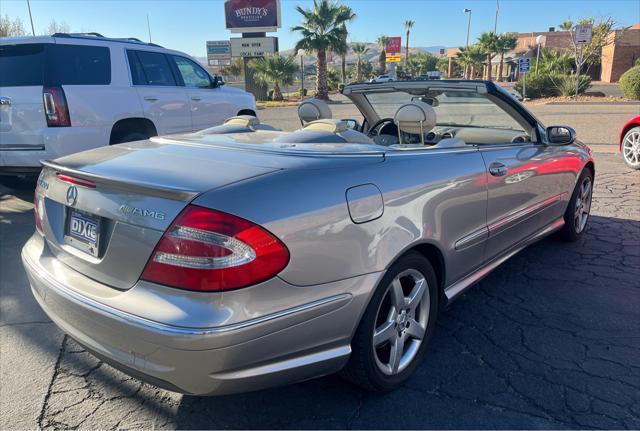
x=630 y=143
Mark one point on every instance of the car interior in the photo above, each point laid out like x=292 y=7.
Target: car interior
x=413 y=123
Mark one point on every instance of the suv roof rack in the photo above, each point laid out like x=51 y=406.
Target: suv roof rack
x=94 y=35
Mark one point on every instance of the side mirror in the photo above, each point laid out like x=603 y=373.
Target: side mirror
x=218 y=81
x=560 y=135
x=352 y=124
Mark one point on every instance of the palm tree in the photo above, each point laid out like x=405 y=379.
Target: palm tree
x=408 y=24
x=566 y=25
x=471 y=58
x=382 y=59
x=321 y=30
x=359 y=49
x=506 y=42
x=487 y=42
x=235 y=69
x=275 y=69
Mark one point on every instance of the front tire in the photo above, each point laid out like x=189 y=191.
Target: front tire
x=577 y=214
x=392 y=337
x=631 y=148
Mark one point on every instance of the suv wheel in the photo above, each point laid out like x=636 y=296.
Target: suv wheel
x=393 y=334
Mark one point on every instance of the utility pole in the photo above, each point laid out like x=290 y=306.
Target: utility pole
x=495 y=25
x=301 y=76
x=33 y=30
x=149 y=28
x=467 y=10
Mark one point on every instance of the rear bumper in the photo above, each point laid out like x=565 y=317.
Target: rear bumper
x=296 y=343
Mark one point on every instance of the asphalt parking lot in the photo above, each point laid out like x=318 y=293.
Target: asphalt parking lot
x=549 y=340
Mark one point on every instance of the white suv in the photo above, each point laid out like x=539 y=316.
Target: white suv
x=66 y=93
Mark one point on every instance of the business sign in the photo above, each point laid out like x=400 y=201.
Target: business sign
x=583 y=34
x=218 y=50
x=524 y=65
x=394 y=45
x=393 y=59
x=252 y=16
x=219 y=63
x=253 y=46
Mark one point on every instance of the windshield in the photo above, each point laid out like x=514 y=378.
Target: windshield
x=453 y=108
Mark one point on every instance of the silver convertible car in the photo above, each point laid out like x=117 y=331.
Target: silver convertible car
x=242 y=257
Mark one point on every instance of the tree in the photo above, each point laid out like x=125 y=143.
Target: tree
x=421 y=63
x=408 y=24
x=488 y=42
x=555 y=62
x=382 y=58
x=10 y=28
x=359 y=49
x=57 y=27
x=275 y=69
x=472 y=58
x=504 y=43
x=235 y=69
x=321 y=30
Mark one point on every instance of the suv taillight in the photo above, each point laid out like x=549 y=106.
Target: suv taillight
x=209 y=250
x=55 y=107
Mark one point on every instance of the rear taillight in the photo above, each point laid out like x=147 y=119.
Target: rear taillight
x=55 y=107
x=209 y=250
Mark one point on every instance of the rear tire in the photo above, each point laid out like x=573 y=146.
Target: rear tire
x=391 y=341
x=577 y=214
x=630 y=148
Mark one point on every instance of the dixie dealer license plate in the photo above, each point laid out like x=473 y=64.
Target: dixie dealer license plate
x=83 y=231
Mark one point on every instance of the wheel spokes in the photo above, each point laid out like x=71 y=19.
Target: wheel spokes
x=385 y=332
x=415 y=329
x=397 y=349
x=397 y=295
x=416 y=295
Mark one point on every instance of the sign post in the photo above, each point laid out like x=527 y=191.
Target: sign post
x=393 y=53
x=524 y=66
x=583 y=34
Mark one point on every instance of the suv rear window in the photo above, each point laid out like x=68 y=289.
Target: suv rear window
x=21 y=65
x=54 y=64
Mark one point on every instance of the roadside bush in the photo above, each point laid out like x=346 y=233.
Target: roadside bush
x=630 y=83
x=566 y=84
x=538 y=85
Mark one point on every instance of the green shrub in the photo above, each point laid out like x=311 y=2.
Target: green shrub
x=538 y=85
x=566 y=84
x=637 y=62
x=270 y=95
x=630 y=83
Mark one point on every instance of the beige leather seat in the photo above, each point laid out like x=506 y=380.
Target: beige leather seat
x=312 y=110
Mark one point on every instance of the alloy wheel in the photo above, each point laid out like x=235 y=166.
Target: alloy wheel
x=631 y=149
x=583 y=205
x=401 y=322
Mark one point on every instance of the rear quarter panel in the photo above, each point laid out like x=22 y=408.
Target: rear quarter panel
x=432 y=196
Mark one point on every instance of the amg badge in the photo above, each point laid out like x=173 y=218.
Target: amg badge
x=143 y=212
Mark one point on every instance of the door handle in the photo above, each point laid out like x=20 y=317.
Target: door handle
x=150 y=98
x=497 y=169
x=195 y=98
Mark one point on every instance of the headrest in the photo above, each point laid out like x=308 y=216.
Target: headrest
x=312 y=110
x=415 y=117
x=327 y=125
x=248 y=121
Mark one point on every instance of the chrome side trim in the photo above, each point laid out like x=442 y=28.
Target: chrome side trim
x=163 y=192
x=472 y=239
x=523 y=214
x=21 y=147
x=460 y=286
x=143 y=323
x=288 y=364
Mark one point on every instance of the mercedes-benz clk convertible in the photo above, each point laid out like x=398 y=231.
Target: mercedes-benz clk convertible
x=242 y=257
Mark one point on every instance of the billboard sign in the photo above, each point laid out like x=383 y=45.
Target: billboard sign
x=583 y=34
x=252 y=16
x=394 y=45
x=218 y=49
x=253 y=46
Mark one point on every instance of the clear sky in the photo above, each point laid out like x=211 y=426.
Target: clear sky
x=186 y=25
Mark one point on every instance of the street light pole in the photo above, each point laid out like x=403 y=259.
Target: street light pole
x=467 y=10
x=541 y=39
